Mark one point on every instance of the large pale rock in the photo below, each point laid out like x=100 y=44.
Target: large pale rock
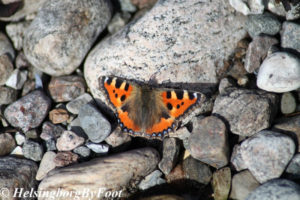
x=111 y=173
x=280 y=72
x=61 y=34
x=177 y=42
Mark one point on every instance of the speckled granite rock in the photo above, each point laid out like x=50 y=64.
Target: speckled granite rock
x=158 y=45
x=61 y=34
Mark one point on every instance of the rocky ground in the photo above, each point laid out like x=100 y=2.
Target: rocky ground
x=58 y=137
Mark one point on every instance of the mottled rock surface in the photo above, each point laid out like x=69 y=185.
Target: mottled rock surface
x=221 y=183
x=7 y=144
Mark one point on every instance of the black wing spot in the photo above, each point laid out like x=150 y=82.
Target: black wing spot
x=169 y=95
x=191 y=95
x=126 y=87
x=178 y=106
x=170 y=107
x=123 y=97
x=165 y=115
x=179 y=94
x=109 y=80
x=125 y=108
x=116 y=95
x=118 y=83
x=182 y=103
x=114 y=91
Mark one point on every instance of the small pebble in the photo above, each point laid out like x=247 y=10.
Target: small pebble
x=66 y=88
x=293 y=13
x=221 y=183
x=6 y=47
x=127 y=6
x=68 y=141
x=58 y=115
x=118 y=138
x=94 y=124
x=65 y=158
x=118 y=21
x=20 y=138
x=17 y=79
x=98 y=148
x=18 y=151
x=82 y=151
x=29 y=111
x=290 y=35
x=288 y=103
x=47 y=164
x=74 y=105
x=33 y=150
x=32 y=134
x=51 y=145
x=7 y=144
x=143 y=3
x=151 y=180
x=276 y=7
x=7 y=95
x=6 y=68
x=293 y=169
x=16 y=31
x=51 y=131
x=279 y=72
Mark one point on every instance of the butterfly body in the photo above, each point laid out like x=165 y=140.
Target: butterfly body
x=147 y=111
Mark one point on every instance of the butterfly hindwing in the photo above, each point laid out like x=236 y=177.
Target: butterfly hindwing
x=146 y=111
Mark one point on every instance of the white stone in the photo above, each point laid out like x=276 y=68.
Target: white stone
x=18 y=151
x=98 y=148
x=280 y=72
x=20 y=138
x=17 y=79
x=46 y=165
x=240 y=6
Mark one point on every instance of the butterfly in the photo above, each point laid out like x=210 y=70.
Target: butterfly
x=147 y=111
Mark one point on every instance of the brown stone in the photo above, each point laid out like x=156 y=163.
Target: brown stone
x=58 y=115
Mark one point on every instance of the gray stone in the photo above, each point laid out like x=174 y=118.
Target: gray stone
x=266 y=23
x=6 y=68
x=29 y=111
x=276 y=7
x=257 y=51
x=82 y=151
x=246 y=111
x=26 y=10
x=159 y=45
x=17 y=174
x=7 y=144
x=33 y=150
x=293 y=169
x=118 y=138
x=47 y=164
x=98 y=148
x=278 y=189
x=66 y=88
x=171 y=148
x=31 y=134
x=51 y=131
x=288 y=103
x=68 y=141
x=51 y=145
x=17 y=79
x=94 y=124
x=243 y=184
x=293 y=13
x=248 y=6
x=127 y=6
x=7 y=95
x=16 y=31
x=113 y=173
x=279 y=72
x=6 y=47
x=267 y=154
x=196 y=170
x=221 y=183
x=290 y=36
x=208 y=142
x=151 y=180
x=22 y=62
x=236 y=158
x=118 y=21
x=57 y=40
x=75 y=105
x=290 y=124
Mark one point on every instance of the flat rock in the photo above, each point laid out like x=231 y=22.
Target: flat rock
x=113 y=173
x=151 y=180
x=196 y=170
x=7 y=95
x=243 y=183
x=171 y=147
x=290 y=124
x=277 y=189
x=94 y=124
x=47 y=164
x=17 y=173
x=208 y=142
x=266 y=23
x=221 y=183
x=257 y=51
x=69 y=141
x=279 y=72
x=159 y=44
x=33 y=150
x=74 y=105
x=267 y=154
x=62 y=33
x=66 y=88
x=246 y=111
x=7 y=144
x=29 y=111
x=6 y=68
